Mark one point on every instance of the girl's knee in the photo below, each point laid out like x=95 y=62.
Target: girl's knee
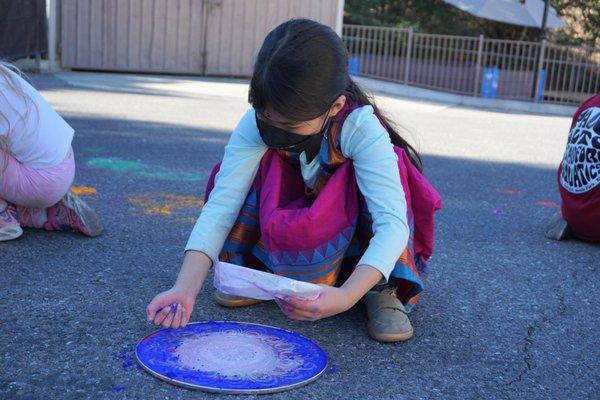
x=32 y=189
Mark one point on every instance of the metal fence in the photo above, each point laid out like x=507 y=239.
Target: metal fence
x=476 y=66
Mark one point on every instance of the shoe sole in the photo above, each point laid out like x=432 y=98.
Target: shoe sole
x=88 y=217
x=558 y=229
x=10 y=233
x=391 y=337
x=233 y=303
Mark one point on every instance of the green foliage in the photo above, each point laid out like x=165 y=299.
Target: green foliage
x=583 y=19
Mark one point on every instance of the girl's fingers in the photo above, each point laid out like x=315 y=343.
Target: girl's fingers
x=289 y=308
x=295 y=313
x=161 y=315
x=177 y=318
x=185 y=316
x=168 y=320
x=306 y=305
x=156 y=306
x=282 y=307
x=302 y=315
x=150 y=313
x=310 y=310
x=151 y=310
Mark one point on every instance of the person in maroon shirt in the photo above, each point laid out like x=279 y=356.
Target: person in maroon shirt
x=579 y=178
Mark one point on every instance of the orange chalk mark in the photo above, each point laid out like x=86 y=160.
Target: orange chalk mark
x=83 y=190
x=161 y=210
x=166 y=204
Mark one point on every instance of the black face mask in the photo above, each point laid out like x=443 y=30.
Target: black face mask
x=280 y=139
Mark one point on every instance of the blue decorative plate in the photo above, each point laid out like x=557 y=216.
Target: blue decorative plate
x=231 y=357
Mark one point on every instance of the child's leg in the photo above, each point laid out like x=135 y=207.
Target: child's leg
x=72 y=213
x=29 y=190
x=32 y=188
x=32 y=217
x=9 y=224
x=44 y=199
x=68 y=212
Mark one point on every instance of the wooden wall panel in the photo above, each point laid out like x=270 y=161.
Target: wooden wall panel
x=212 y=37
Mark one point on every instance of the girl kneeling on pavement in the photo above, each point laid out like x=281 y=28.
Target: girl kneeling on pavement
x=37 y=165
x=315 y=185
x=579 y=178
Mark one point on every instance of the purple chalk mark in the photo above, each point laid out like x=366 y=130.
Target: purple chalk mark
x=333 y=369
x=118 y=389
x=172 y=308
x=497 y=212
x=127 y=363
x=126 y=358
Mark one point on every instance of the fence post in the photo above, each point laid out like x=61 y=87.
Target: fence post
x=478 y=67
x=51 y=12
x=538 y=73
x=409 y=43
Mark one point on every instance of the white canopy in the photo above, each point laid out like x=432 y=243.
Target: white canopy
x=516 y=12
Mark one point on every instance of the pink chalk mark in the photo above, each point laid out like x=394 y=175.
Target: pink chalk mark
x=509 y=192
x=548 y=203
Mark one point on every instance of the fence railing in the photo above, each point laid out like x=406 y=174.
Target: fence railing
x=476 y=66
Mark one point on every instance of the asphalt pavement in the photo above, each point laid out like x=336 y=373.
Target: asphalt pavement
x=506 y=314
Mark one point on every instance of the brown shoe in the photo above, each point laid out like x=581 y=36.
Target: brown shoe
x=388 y=319
x=228 y=300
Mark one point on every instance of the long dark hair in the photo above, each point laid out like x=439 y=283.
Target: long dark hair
x=302 y=68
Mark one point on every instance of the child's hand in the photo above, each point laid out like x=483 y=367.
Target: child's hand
x=171 y=309
x=331 y=301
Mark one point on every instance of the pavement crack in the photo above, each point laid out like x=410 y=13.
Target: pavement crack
x=528 y=340
x=527 y=358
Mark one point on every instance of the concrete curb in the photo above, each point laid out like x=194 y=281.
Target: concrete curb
x=37 y=66
x=373 y=85
x=413 y=92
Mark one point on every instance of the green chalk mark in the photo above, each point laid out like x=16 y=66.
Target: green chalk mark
x=115 y=164
x=168 y=175
x=141 y=170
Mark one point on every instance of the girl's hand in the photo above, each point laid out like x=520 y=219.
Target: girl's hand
x=331 y=301
x=171 y=309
